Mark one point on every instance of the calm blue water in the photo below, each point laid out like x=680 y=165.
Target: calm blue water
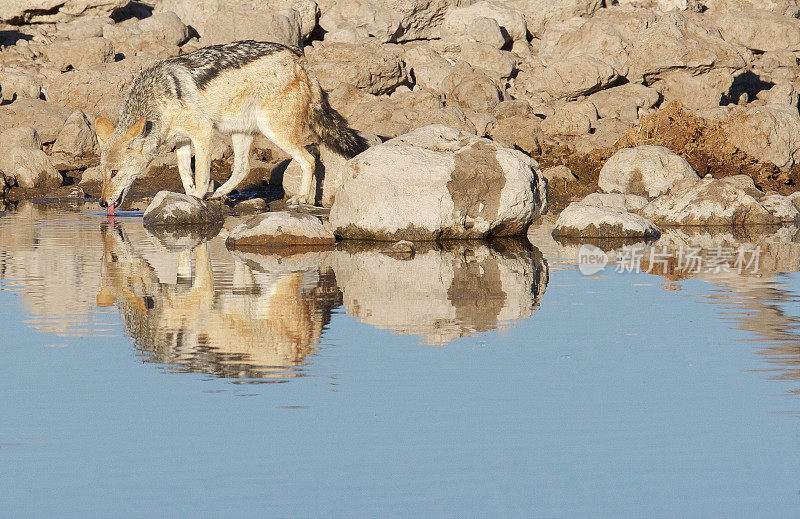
x=464 y=383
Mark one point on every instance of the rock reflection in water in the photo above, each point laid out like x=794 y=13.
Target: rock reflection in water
x=441 y=295
x=259 y=327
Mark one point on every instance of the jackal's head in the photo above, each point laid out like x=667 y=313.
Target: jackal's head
x=125 y=154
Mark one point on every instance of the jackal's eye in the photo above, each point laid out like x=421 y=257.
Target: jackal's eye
x=114 y=173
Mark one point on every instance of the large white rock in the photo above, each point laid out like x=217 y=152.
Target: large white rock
x=438 y=182
x=47 y=118
x=541 y=13
x=441 y=295
x=280 y=229
x=605 y=216
x=77 y=136
x=376 y=68
x=760 y=31
x=45 y=11
x=644 y=170
x=74 y=54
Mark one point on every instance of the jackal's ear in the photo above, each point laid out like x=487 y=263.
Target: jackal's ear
x=135 y=130
x=103 y=128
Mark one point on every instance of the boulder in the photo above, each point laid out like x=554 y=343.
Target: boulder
x=229 y=25
x=155 y=34
x=76 y=137
x=539 y=14
x=438 y=182
x=428 y=67
x=569 y=78
x=605 y=216
x=19 y=137
x=20 y=82
x=168 y=208
x=523 y=132
x=29 y=168
x=280 y=229
x=50 y=11
x=782 y=207
x=570 y=119
x=83 y=27
x=644 y=170
x=387 y=20
x=494 y=62
x=196 y=13
x=695 y=91
x=625 y=102
x=759 y=30
x=767 y=133
x=46 y=118
x=471 y=88
x=709 y=202
x=81 y=90
x=79 y=54
x=370 y=66
x=461 y=21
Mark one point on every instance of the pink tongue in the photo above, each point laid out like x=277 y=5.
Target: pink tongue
x=110 y=210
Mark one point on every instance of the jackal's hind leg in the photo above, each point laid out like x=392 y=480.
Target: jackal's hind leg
x=288 y=142
x=184 y=153
x=241 y=163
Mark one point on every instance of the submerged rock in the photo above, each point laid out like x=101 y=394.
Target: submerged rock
x=438 y=182
x=605 y=216
x=169 y=208
x=644 y=170
x=280 y=229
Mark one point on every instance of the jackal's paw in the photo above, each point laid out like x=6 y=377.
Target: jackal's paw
x=297 y=200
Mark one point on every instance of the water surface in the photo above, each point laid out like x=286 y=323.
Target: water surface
x=151 y=375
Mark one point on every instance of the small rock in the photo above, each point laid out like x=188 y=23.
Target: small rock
x=559 y=173
x=47 y=118
x=280 y=229
x=76 y=137
x=168 y=208
x=19 y=137
x=644 y=170
x=251 y=206
x=604 y=216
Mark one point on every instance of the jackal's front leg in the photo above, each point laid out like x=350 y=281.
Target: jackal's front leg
x=241 y=163
x=184 y=153
x=201 y=142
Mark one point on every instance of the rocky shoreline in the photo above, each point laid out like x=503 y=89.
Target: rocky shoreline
x=684 y=112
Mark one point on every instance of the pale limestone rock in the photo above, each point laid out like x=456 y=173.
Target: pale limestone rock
x=47 y=118
x=280 y=229
x=29 y=168
x=644 y=170
x=768 y=133
x=79 y=54
x=605 y=216
x=438 y=182
x=625 y=102
x=370 y=66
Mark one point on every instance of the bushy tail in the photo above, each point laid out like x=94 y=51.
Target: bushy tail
x=332 y=129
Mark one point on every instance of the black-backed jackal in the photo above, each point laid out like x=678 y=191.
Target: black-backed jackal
x=239 y=88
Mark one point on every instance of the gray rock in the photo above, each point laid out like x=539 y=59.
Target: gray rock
x=561 y=173
x=50 y=11
x=624 y=102
x=644 y=170
x=280 y=229
x=605 y=216
x=759 y=30
x=76 y=137
x=29 y=168
x=437 y=182
x=168 y=208
x=47 y=118
x=19 y=137
x=78 y=54
x=376 y=68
